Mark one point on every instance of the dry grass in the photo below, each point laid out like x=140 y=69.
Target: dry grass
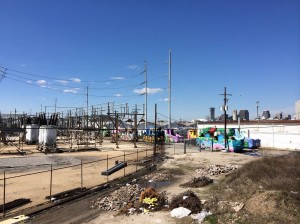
x=272 y=182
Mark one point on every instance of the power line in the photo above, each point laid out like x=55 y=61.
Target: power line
x=91 y=81
x=70 y=92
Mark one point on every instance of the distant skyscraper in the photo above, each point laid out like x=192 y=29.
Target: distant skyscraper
x=211 y=113
x=297 y=110
x=266 y=114
x=234 y=115
x=244 y=115
x=278 y=116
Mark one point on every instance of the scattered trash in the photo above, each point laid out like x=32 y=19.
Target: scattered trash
x=198 y=182
x=180 y=212
x=17 y=219
x=152 y=200
x=236 y=206
x=131 y=199
x=200 y=216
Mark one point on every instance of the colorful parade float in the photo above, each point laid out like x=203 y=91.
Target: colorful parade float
x=171 y=136
x=214 y=138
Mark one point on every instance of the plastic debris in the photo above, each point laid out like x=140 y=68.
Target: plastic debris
x=180 y=212
x=201 y=215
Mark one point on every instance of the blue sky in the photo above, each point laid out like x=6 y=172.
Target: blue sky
x=53 y=50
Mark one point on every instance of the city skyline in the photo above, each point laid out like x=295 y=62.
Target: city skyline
x=57 y=54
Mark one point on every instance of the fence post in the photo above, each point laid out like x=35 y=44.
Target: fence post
x=4 y=186
x=51 y=173
x=137 y=159
x=212 y=145
x=184 y=146
x=124 y=166
x=81 y=174
x=107 y=168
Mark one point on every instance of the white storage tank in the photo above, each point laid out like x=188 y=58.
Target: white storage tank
x=47 y=135
x=32 y=134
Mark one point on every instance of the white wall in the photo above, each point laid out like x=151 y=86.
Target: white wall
x=272 y=135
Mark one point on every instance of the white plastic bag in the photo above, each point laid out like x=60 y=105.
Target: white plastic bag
x=180 y=212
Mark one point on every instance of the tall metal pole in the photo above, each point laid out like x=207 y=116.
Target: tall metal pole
x=135 y=127
x=225 y=117
x=87 y=106
x=146 y=94
x=257 y=109
x=55 y=105
x=170 y=88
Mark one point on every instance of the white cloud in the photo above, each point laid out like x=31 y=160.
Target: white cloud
x=41 y=82
x=117 y=78
x=71 y=90
x=75 y=80
x=149 y=90
x=132 y=67
x=62 y=81
x=29 y=81
x=118 y=94
x=164 y=100
x=107 y=83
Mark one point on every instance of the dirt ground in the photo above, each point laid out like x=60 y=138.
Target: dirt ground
x=183 y=167
x=29 y=176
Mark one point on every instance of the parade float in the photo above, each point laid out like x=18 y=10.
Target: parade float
x=214 y=138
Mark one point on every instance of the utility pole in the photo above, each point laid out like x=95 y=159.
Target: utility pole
x=87 y=105
x=146 y=93
x=225 y=108
x=257 y=102
x=170 y=88
x=135 y=136
x=55 y=105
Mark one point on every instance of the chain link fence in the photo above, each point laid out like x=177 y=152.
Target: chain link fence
x=24 y=189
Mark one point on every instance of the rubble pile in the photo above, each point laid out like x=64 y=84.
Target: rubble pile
x=198 y=182
x=158 y=177
x=132 y=199
x=188 y=200
x=126 y=195
x=213 y=170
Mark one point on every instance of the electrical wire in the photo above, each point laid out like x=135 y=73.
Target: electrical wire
x=85 y=81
